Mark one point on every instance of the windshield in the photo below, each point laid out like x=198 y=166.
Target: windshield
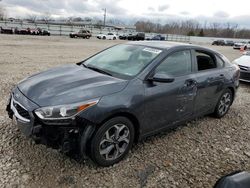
x=123 y=61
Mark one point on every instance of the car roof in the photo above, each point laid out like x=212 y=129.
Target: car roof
x=162 y=44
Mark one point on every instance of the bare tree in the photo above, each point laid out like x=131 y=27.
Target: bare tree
x=46 y=17
x=2 y=12
x=32 y=18
x=194 y=28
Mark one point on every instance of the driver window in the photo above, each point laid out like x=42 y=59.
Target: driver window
x=176 y=64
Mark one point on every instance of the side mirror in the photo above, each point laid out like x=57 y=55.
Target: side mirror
x=160 y=77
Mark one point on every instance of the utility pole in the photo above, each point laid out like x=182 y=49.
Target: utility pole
x=105 y=14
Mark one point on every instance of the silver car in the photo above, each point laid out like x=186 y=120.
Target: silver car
x=244 y=64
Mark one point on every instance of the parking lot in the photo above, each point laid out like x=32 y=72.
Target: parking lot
x=194 y=155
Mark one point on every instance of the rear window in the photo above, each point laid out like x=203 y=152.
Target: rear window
x=205 y=61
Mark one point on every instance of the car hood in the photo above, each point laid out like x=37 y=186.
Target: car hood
x=243 y=61
x=69 y=84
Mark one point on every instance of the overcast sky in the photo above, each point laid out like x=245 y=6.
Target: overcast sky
x=237 y=12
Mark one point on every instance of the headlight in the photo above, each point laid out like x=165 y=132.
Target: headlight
x=64 y=111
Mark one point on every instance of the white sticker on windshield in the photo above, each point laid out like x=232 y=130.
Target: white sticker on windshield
x=152 y=50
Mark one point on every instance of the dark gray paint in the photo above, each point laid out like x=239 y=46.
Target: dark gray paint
x=154 y=105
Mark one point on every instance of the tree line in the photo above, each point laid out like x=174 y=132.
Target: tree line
x=188 y=27
x=194 y=28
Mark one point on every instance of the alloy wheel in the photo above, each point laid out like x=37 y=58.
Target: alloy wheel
x=114 y=142
x=224 y=103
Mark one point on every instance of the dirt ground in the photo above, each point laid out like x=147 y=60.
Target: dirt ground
x=195 y=155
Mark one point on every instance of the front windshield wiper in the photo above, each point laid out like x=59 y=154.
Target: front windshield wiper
x=97 y=69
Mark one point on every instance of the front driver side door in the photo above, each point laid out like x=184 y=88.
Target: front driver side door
x=167 y=103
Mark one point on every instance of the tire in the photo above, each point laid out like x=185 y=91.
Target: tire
x=104 y=38
x=245 y=48
x=114 y=38
x=106 y=149
x=87 y=37
x=223 y=104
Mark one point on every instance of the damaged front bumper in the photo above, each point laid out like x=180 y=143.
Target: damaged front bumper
x=69 y=136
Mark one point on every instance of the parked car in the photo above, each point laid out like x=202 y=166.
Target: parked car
x=124 y=36
x=43 y=32
x=29 y=31
x=99 y=107
x=229 y=43
x=34 y=31
x=137 y=36
x=26 y=31
x=109 y=36
x=244 y=45
x=219 y=42
x=158 y=37
x=244 y=64
x=6 y=30
x=81 y=34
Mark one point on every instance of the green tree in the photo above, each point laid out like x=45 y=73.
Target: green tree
x=191 y=33
x=201 y=33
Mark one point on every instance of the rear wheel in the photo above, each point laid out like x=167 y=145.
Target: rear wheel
x=104 y=38
x=224 y=104
x=112 y=141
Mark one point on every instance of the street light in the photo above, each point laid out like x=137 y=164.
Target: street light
x=105 y=14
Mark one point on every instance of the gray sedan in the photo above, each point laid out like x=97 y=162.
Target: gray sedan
x=99 y=107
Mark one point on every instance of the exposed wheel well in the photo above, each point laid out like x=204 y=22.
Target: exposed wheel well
x=233 y=92
x=132 y=118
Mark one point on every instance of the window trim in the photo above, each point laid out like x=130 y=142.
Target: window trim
x=173 y=52
x=208 y=53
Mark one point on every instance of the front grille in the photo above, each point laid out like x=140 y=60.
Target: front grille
x=21 y=111
x=58 y=122
x=245 y=76
x=244 y=68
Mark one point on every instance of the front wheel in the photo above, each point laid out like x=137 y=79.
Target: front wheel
x=224 y=104
x=112 y=141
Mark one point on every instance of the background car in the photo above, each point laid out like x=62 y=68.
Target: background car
x=44 y=32
x=158 y=37
x=219 y=42
x=124 y=36
x=81 y=34
x=137 y=36
x=244 y=64
x=6 y=30
x=243 y=45
x=108 y=36
x=34 y=31
x=229 y=43
x=22 y=31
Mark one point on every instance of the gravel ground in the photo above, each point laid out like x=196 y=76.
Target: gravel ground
x=194 y=155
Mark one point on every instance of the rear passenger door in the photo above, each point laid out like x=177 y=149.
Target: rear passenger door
x=210 y=78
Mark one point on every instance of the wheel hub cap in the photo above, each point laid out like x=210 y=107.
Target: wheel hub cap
x=114 y=142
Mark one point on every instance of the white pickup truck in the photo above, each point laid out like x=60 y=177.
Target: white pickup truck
x=245 y=45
